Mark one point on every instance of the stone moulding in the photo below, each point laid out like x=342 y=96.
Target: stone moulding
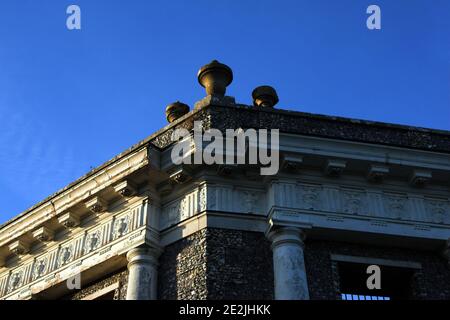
x=91 y=185
x=361 y=202
x=340 y=202
x=110 y=237
x=215 y=197
x=283 y=216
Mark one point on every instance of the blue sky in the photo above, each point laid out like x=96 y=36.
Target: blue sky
x=71 y=100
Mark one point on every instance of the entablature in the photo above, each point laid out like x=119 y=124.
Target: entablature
x=73 y=195
x=84 y=247
x=90 y=198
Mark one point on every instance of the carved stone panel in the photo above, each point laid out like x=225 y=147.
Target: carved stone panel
x=354 y=201
x=249 y=201
x=121 y=226
x=93 y=241
x=184 y=207
x=396 y=206
x=65 y=254
x=40 y=267
x=437 y=210
x=310 y=197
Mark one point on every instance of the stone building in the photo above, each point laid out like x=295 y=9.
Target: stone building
x=349 y=194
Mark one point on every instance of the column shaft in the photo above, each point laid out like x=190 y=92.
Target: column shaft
x=288 y=264
x=142 y=274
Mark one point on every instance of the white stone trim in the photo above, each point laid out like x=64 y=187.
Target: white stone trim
x=376 y=261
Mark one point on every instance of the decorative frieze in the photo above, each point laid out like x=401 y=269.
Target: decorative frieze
x=121 y=226
x=310 y=197
x=16 y=280
x=249 y=201
x=282 y=193
x=437 y=209
x=93 y=241
x=3 y=284
x=396 y=205
x=64 y=255
x=213 y=197
x=329 y=198
x=19 y=277
x=354 y=201
x=183 y=208
x=40 y=268
x=44 y=264
x=371 y=202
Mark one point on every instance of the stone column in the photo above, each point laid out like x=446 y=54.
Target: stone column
x=288 y=264
x=142 y=273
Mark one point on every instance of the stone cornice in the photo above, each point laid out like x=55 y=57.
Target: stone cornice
x=223 y=117
x=71 y=196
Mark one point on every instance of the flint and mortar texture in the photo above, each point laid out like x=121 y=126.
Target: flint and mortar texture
x=225 y=114
x=432 y=282
x=217 y=264
x=232 y=264
x=119 y=294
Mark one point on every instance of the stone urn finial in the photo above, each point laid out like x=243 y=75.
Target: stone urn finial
x=176 y=110
x=264 y=96
x=215 y=77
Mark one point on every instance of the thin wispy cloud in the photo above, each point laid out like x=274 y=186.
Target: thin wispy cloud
x=36 y=164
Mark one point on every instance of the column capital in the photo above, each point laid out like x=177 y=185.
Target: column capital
x=285 y=235
x=144 y=254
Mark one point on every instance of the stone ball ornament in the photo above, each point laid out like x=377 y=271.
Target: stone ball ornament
x=265 y=97
x=176 y=110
